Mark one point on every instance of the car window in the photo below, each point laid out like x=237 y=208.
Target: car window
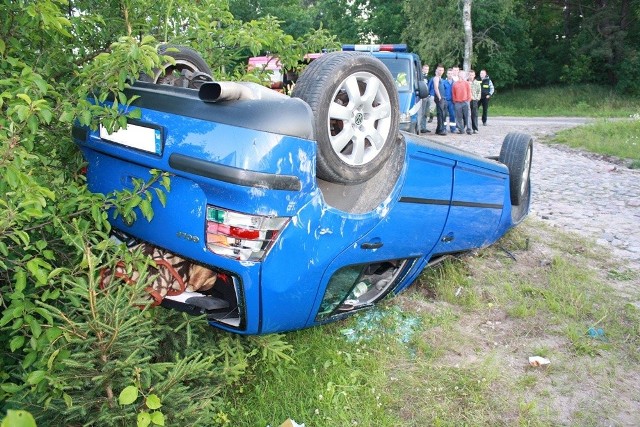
x=400 y=70
x=360 y=285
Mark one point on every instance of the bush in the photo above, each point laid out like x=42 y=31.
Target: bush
x=628 y=76
x=73 y=351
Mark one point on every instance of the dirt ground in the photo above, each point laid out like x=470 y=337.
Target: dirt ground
x=592 y=389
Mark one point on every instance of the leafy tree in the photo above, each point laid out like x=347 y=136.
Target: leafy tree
x=295 y=18
x=435 y=31
x=501 y=42
x=72 y=349
x=386 y=21
x=340 y=17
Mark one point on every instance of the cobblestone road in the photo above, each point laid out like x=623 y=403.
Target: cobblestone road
x=571 y=189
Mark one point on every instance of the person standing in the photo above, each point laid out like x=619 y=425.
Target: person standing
x=455 y=73
x=432 y=104
x=448 y=83
x=461 y=93
x=426 y=103
x=476 y=90
x=441 y=102
x=485 y=94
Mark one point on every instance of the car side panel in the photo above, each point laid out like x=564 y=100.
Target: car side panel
x=413 y=223
x=292 y=271
x=476 y=209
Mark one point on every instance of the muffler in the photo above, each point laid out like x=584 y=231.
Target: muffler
x=234 y=91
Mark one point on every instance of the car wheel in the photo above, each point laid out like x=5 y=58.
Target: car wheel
x=190 y=69
x=516 y=153
x=355 y=105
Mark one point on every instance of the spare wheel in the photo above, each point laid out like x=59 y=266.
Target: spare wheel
x=355 y=105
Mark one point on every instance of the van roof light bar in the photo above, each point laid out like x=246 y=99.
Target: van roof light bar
x=399 y=47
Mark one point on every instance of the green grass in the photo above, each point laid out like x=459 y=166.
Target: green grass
x=619 y=138
x=582 y=100
x=616 y=132
x=337 y=378
x=452 y=350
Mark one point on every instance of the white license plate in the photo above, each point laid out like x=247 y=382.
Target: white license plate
x=139 y=137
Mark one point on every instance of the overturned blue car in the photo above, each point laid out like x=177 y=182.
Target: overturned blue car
x=289 y=212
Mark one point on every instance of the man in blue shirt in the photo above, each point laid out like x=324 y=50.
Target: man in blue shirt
x=447 y=95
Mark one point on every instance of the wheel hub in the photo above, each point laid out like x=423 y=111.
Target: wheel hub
x=360 y=119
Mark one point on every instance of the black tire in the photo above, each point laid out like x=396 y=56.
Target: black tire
x=516 y=153
x=190 y=69
x=355 y=134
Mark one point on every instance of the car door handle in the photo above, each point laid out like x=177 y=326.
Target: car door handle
x=447 y=238
x=371 y=245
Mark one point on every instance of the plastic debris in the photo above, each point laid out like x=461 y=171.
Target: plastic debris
x=290 y=423
x=597 y=334
x=538 y=361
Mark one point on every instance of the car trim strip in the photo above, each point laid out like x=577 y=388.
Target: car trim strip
x=234 y=175
x=476 y=205
x=453 y=203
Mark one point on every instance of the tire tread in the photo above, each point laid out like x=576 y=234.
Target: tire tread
x=512 y=154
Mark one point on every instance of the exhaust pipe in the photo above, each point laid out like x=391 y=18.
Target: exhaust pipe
x=234 y=91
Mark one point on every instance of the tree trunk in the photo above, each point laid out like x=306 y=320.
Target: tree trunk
x=468 y=34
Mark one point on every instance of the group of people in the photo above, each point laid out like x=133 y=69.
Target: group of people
x=456 y=100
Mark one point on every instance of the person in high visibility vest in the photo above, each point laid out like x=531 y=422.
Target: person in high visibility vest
x=485 y=94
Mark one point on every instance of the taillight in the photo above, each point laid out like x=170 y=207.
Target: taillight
x=240 y=236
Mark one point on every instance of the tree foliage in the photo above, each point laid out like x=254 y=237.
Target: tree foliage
x=520 y=42
x=534 y=42
x=73 y=351
x=70 y=345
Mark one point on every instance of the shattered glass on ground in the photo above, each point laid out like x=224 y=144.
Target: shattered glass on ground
x=390 y=321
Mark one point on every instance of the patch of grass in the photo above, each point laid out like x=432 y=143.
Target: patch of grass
x=337 y=378
x=624 y=274
x=553 y=298
x=582 y=344
x=580 y=100
x=527 y=381
x=437 y=395
x=449 y=281
x=619 y=138
x=431 y=357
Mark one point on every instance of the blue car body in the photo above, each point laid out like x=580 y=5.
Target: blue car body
x=258 y=158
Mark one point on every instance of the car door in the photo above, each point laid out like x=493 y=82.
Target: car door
x=407 y=233
x=476 y=208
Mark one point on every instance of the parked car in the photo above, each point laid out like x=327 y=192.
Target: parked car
x=405 y=68
x=279 y=79
x=289 y=212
